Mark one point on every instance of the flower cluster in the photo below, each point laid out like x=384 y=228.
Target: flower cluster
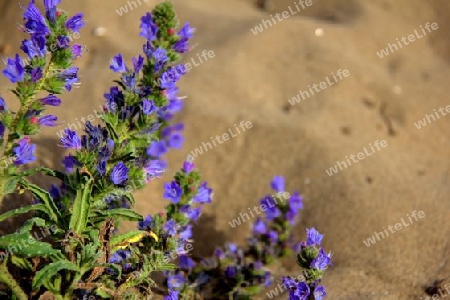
x=48 y=67
x=136 y=113
x=314 y=260
x=242 y=271
x=272 y=234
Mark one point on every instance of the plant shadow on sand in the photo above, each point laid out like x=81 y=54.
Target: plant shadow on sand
x=44 y=147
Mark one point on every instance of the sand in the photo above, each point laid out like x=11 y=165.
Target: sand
x=252 y=77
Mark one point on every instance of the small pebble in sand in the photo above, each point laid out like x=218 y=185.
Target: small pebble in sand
x=100 y=31
x=319 y=32
x=398 y=90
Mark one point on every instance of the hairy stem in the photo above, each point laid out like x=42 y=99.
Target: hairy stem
x=26 y=105
x=12 y=284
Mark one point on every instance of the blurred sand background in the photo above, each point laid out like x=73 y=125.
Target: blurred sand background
x=252 y=77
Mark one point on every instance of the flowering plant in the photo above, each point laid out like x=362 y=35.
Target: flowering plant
x=80 y=253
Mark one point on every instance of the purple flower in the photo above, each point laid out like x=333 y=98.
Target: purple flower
x=289 y=283
x=322 y=261
x=114 y=99
x=278 y=183
x=129 y=80
x=182 y=46
x=166 y=132
x=77 y=51
x=160 y=57
x=267 y=279
x=75 y=23
x=119 y=256
x=188 y=167
x=101 y=167
x=148 y=49
x=186 y=233
x=172 y=191
x=48 y=120
x=272 y=211
x=291 y=216
x=148 y=107
x=192 y=214
x=154 y=168
x=171 y=227
x=319 y=293
x=70 y=139
x=50 y=7
x=219 y=253
x=70 y=76
x=34 y=47
x=176 y=140
x=296 y=202
x=2 y=129
x=230 y=271
x=232 y=247
x=169 y=77
x=14 y=69
x=138 y=63
x=172 y=295
x=120 y=173
x=69 y=163
x=300 y=292
x=186 y=32
x=186 y=262
x=2 y=104
x=117 y=64
x=35 y=22
x=55 y=192
x=203 y=195
x=63 y=41
x=259 y=227
x=148 y=28
x=147 y=223
x=313 y=237
x=36 y=74
x=24 y=152
x=157 y=148
x=273 y=237
x=51 y=100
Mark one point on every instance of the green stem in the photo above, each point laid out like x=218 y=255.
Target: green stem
x=7 y=279
x=7 y=144
x=26 y=105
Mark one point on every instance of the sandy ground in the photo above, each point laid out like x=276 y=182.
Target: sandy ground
x=252 y=77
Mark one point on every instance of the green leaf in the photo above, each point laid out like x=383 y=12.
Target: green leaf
x=81 y=206
x=22 y=263
x=44 y=197
x=46 y=171
x=24 y=210
x=121 y=213
x=10 y=185
x=25 y=245
x=29 y=224
x=49 y=271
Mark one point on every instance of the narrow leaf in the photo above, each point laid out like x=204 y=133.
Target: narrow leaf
x=81 y=206
x=121 y=213
x=25 y=245
x=49 y=271
x=45 y=197
x=24 y=210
